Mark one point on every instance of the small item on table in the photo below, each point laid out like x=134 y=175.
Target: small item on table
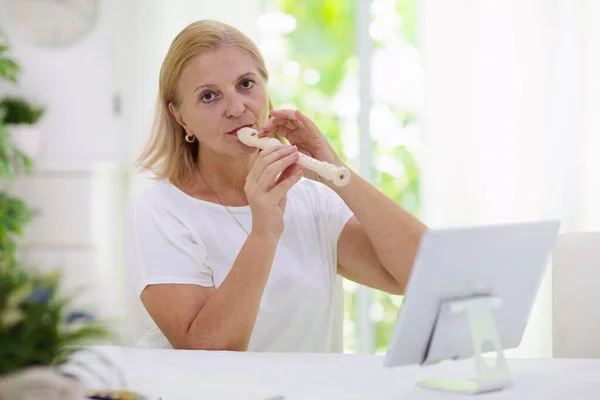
x=114 y=395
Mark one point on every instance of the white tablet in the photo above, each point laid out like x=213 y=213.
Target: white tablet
x=503 y=261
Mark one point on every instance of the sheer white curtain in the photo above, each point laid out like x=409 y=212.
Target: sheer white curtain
x=511 y=122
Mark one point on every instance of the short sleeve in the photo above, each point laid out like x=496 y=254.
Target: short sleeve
x=334 y=210
x=159 y=248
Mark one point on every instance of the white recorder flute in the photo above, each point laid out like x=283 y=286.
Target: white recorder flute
x=340 y=176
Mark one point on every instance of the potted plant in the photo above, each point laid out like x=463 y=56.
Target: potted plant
x=38 y=332
x=38 y=335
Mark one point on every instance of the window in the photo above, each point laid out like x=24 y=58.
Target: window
x=314 y=51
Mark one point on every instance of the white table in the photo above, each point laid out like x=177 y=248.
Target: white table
x=199 y=375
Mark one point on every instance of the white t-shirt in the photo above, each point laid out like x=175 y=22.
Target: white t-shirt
x=171 y=237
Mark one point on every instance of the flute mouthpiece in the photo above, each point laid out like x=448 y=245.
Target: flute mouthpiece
x=247 y=135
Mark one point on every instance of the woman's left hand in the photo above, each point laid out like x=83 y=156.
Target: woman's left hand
x=302 y=132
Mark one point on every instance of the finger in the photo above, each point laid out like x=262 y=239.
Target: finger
x=273 y=124
x=288 y=133
x=269 y=175
x=304 y=120
x=278 y=123
x=291 y=118
x=293 y=125
x=284 y=114
x=267 y=129
x=289 y=171
x=283 y=128
x=282 y=187
x=266 y=157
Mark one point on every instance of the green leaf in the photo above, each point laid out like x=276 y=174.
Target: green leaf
x=408 y=12
x=12 y=160
x=10 y=317
x=19 y=111
x=9 y=69
x=36 y=333
x=19 y=295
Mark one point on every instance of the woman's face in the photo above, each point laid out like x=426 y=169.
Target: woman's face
x=221 y=92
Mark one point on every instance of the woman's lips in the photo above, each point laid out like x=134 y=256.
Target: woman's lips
x=235 y=131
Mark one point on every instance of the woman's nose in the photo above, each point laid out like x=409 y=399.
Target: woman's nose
x=235 y=106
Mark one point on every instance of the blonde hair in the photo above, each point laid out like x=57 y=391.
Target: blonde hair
x=167 y=155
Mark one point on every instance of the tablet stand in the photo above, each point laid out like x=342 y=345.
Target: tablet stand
x=492 y=374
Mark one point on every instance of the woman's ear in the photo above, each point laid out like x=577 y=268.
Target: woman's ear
x=177 y=115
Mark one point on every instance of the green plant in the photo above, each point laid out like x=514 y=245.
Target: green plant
x=35 y=327
x=14 y=213
x=18 y=111
x=8 y=68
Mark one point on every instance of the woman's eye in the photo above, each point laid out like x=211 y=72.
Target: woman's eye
x=207 y=97
x=247 y=83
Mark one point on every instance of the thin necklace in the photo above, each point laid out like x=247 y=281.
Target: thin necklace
x=219 y=200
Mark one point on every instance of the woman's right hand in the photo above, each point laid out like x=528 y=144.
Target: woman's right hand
x=273 y=174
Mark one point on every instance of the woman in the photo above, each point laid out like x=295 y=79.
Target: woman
x=238 y=249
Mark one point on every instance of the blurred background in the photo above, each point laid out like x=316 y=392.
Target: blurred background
x=465 y=112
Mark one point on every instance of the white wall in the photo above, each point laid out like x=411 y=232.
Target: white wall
x=590 y=48
x=511 y=120
x=79 y=132
x=76 y=85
